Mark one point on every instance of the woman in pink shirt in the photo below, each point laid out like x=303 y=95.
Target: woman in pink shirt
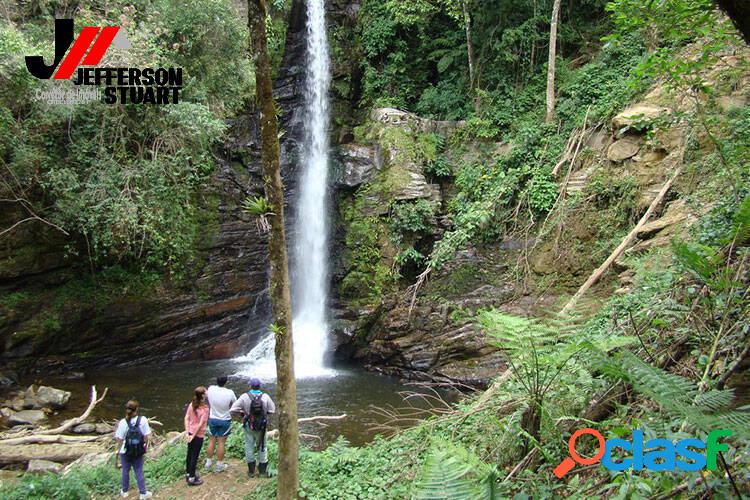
x=196 y=418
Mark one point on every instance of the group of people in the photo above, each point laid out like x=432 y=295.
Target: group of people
x=211 y=409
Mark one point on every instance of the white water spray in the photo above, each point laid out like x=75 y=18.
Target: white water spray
x=310 y=276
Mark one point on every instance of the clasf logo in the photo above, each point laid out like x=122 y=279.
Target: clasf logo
x=656 y=454
x=122 y=85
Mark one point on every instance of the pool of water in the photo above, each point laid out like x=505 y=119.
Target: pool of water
x=164 y=391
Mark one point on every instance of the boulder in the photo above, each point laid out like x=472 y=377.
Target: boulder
x=49 y=397
x=6 y=413
x=638 y=114
x=102 y=428
x=85 y=428
x=392 y=116
x=89 y=460
x=676 y=213
x=359 y=164
x=27 y=417
x=8 y=379
x=43 y=466
x=625 y=148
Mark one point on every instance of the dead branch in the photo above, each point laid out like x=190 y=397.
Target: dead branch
x=522 y=464
x=414 y=289
x=623 y=245
x=55 y=435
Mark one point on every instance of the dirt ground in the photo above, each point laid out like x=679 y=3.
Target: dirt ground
x=230 y=484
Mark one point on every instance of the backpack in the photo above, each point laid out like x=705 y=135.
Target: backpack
x=257 y=419
x=135 y=444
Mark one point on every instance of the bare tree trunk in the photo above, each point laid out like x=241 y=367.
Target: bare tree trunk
x=739 y=12
x=288 y=481
x=469 y=48
x=551 y=63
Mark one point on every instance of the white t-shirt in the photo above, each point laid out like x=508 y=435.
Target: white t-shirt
x=220 y=400
x=122 y=430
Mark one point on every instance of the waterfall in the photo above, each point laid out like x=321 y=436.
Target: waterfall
x=310 y=246
x=310 y=285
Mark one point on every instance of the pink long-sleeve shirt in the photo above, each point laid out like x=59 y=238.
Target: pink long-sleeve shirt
x=196 y=420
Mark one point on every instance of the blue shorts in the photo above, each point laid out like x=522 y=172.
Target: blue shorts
x=219 y=428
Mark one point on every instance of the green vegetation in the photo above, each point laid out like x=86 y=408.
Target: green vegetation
x=664 y=354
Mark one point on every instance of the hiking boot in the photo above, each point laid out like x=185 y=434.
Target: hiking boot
x=251 y=469
x=263 y=470
x=220 y=467
x=145 y=496
x=123 y=494
x=196 y=481
x=207 y=465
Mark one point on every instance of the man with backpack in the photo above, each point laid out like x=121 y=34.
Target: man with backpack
x=132 y=435
x=254 y=407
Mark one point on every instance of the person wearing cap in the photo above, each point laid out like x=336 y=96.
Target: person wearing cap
x=254 y=407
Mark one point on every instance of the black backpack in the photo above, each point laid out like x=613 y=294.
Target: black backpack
x=257 y=419
x=135 y=443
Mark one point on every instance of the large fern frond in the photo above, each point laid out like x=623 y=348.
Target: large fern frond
x=679 y=397
x=445 y=477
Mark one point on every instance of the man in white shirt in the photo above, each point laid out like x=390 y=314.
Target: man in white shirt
x=220 y=401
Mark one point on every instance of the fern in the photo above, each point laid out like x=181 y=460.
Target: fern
x=679 y=397
x=452 y=473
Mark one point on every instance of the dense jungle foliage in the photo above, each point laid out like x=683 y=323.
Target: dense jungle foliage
x=668 y=356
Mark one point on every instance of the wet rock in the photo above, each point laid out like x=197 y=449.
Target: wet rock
x=625 y=148
x=43 y=466
x=85 y=428
x=638 y=114
x=27 y=417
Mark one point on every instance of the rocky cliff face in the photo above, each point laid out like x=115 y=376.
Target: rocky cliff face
x=389 y=171
x=54 y=313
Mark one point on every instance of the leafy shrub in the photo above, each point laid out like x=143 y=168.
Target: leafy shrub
x=412 y=217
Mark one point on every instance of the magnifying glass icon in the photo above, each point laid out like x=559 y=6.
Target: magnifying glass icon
x=566 y=465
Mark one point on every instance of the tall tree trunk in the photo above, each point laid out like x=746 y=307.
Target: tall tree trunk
x=551 y=63
x=288 y=480
x=469 y=49
x=739 y=12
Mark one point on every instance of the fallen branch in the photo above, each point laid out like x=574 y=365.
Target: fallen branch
x=414 y=289
x=49 y=439
x=55 y=435
x=624 y=244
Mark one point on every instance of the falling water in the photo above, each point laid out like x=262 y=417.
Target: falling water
x=310 y=273
x=310 y=286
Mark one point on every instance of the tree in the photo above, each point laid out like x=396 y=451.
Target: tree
x=551 y=64
x=280 y=295
x=739 y=12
